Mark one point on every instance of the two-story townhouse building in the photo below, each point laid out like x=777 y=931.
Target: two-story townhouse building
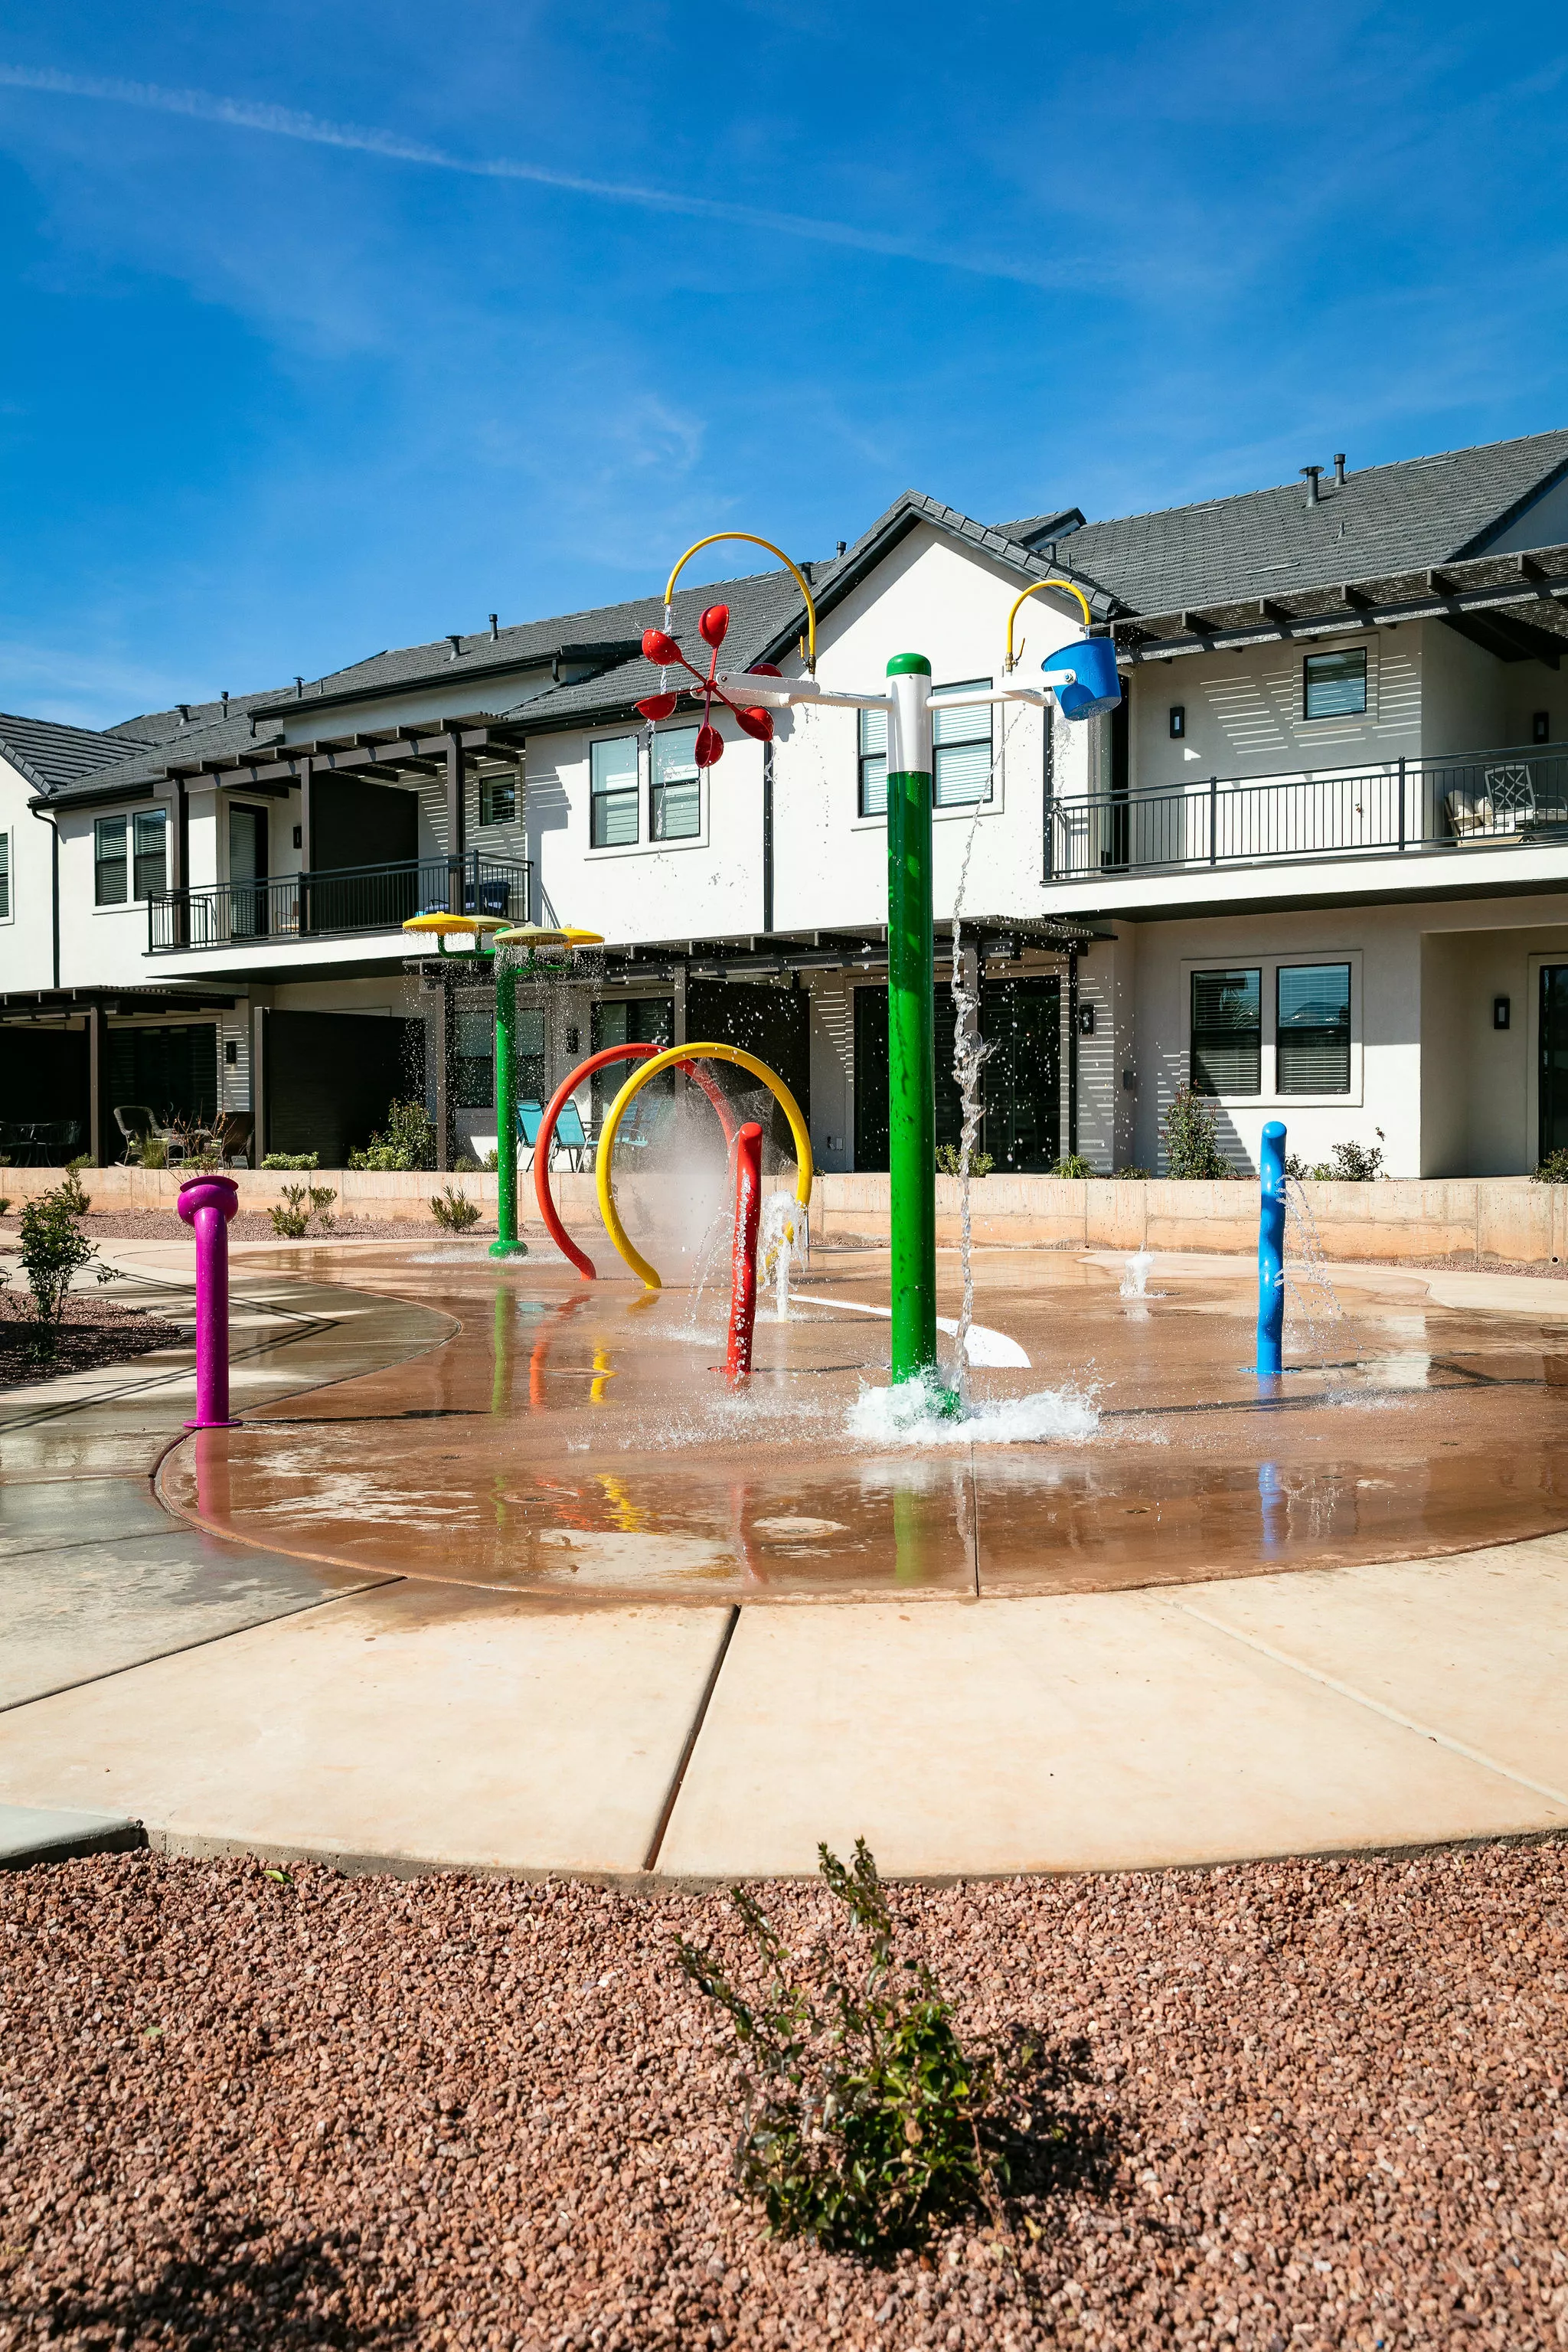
x=1316 y=864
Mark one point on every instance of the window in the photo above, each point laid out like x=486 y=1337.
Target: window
x=612 y=794
x=474 y=1076
x=675 y=796
x=1226 y=1055
x=145 y=837
x=963 y=750
x=498 y=800
x=1314 y=1038
x=1335 y=685
x=5 y=878
x=873 y=763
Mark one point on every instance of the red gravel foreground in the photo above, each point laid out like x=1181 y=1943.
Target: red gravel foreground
x=1308 y=2103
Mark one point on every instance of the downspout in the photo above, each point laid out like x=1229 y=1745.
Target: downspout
x=44 y=817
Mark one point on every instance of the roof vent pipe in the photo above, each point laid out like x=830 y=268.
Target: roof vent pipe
x=299 y=688
x=1339 y=469
x=495 y=624
x=1311 y=472
x=225 y=700
x=184 y=710
x=454 y=640
x=842 y=545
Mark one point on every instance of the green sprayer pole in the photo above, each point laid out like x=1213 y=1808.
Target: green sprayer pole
x=912 y=1068
x=505 y=1243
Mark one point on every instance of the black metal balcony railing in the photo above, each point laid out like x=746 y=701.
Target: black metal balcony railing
x=344 y=899
x=1403 y=805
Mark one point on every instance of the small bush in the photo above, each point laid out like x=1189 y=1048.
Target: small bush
x=492 y=1160
x=83 y=1160
x=453 y=1210
x=1191 y=1141
x=407 y=1141
x=53 y=1249
x=1553 y=1170
x=1073 y=1164
x=949 y=1161
x=1131 y=1175
x=4 y=1206
x=305 y=1202
x=148 y=1151
x=294 y=1162
x=867 y=2120
x=73 y=1192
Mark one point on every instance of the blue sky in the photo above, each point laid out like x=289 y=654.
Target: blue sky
x=331 y=326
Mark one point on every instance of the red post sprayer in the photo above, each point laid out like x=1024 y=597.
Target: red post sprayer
x=743 y=1262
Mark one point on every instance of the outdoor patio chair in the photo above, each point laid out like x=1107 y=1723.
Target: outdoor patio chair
x=570 y=1136
x=1512 y=792
x=138 y=1126
x=231 y=1134
x=529 y=1119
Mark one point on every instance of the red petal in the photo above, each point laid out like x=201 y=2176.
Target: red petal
x=759 y=723
x=657 y=705
x=658 y=647
x=709 y=747
x=714 y=624
x=764 y=669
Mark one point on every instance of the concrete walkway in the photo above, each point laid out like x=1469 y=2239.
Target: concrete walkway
x=226 y=1697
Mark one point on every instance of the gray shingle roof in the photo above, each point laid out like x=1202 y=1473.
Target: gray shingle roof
x=1387 y=520
x=49 y=754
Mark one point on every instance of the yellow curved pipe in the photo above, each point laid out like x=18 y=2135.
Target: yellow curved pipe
x=637 y=1080
x=1034 y=591
x=751 y=537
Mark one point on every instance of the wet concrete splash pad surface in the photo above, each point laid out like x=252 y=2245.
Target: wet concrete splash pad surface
x=573 y=1443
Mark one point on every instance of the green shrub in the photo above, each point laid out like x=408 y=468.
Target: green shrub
x=295 y=1162
x=1191 y=1141
x=305 y=1202
x=1073 y=1164
x=1131 y=1175
x=53 y=1248
x=148 y=1151
x=1553 y=1170
x=865 y=2120
x=949 y=1161
x=1348 y=1164
x=407 y=1141
x=73 y=1193
x=4 y=1206
x=453 y=1210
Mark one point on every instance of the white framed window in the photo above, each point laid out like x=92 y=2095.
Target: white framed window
x=130 y=858
x=674 y=790
x=871 y=783
x=1333 y=685
x=960 y=748
x=6 y=909
x=498 y=800
x=1273 y=1030
x=613 y=792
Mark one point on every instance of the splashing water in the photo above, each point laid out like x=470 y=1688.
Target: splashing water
x=1323 y=1329
x=1135 y=1275
x=919 y=1412
x=783 y=1240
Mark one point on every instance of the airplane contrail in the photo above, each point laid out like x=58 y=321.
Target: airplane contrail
x=288 y=123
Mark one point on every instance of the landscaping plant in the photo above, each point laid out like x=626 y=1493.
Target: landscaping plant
x=453 y=1210
x=1552 y=1169
x=407 y=1141
x=1348 y=1164
x=53 y=1249
x=948 y=1161
x=866 y=2120
x=305 y=1202
x=1190 y=1127
x=1073 y=1164
x=295 y=1162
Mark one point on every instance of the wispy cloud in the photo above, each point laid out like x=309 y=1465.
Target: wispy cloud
x=393 y=146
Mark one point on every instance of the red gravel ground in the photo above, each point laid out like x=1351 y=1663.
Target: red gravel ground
x=1309 y=2104
x=95 y=1332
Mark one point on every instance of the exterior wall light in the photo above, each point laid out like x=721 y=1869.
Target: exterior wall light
x=1086 y=1020
x=1540 y=727
x=1501 y=1007
x=1178 y=720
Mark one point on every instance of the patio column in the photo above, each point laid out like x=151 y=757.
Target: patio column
x=102 y=1129
x=455 y=837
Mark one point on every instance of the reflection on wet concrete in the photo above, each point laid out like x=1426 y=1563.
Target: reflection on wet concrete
x=577 y=1443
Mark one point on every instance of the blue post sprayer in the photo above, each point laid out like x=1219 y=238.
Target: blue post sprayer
x=1272 y=1251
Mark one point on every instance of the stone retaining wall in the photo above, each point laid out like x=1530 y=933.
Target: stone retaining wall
x=1465 y=1219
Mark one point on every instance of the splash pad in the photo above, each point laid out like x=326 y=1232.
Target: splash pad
x=575 y=1438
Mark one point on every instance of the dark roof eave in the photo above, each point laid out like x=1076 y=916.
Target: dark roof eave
x=605 y=655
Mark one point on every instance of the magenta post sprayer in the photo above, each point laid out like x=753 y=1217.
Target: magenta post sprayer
x=206 y=1204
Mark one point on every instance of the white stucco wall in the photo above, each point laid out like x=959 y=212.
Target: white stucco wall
x=25 y=933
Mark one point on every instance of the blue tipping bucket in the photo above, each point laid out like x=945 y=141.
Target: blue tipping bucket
x=1095 y=685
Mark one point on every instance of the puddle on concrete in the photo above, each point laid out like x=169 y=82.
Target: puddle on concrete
x=573 y=1437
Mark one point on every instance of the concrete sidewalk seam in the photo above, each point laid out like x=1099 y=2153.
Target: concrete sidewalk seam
x=678 y=1780
x=181 y=1649
x=1377 y=1706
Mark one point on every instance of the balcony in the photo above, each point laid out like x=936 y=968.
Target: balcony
x=334 y=905
x=1443 y=803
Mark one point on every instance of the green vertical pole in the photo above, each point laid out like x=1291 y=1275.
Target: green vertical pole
x=505 y=1243
x=912 y=1068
